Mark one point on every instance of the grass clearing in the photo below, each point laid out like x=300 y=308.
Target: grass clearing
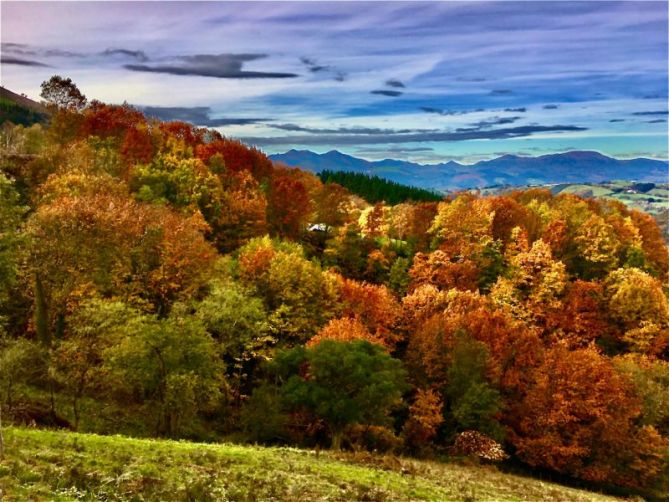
x=64 y=466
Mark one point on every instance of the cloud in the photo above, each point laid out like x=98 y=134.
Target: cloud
x=550 y=107
x=617 y=120
x=441 y=111
x=656 y=121
x=12 y=45
x=314 y=67
x=656 y=112
x=61 y=53
x=471 y=79
x=309 y=17
x=487 y=124
x=396 y=150
x=347 y=140
x=211 y=65
x=395 y=83
x=516 y=110
x=20 y=62
x=347 y=130
x=198 y=115
x=138 y=55
x=27 y=50
x=437 y=111
x=501 y=92
x=384 y=92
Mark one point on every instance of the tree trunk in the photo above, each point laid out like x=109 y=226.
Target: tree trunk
x=337 y=435
x=41 y=314
x=52 y=397
x=75 y=411
x=2 y=439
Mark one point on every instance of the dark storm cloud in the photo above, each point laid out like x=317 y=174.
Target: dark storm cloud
x=516 y=110
x=656 y=121
x=501 y=92
x=198 y=115
x=211 y=65
x=384 y=92
x=138 y=55
x=617 y=120
x=550 y=107
x=20 y=61
x=395 y=83
x=347 y=130
x=347 y=140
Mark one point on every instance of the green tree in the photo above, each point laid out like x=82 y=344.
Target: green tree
x=76 y=362
x=11 y=215
x=650 y=378
x=474 y=402
x=399 y=278
x=21 y=362
x=299 y=297
x=172 y=364
x=238 y=322
x=262 y=417
x=342 y=383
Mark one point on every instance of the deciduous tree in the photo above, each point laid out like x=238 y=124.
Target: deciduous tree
x=63 y=93
x=342 y=383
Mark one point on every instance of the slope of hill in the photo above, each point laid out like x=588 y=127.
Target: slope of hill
x=41 y=465
x=20 y=109
x=570 y=167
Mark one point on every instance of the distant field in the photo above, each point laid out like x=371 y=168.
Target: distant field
x=63 y=466
x=588 y=190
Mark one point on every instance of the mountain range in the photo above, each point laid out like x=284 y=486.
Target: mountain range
x=568 y=167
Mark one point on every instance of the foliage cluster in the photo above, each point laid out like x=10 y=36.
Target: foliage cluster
x=161 y=280
x=374 y=189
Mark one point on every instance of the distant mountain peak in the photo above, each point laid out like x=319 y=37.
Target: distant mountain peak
x=582 y=154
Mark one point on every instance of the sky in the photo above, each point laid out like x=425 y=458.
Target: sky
x=421 y=81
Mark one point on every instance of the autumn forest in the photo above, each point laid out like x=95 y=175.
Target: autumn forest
x=161 y=280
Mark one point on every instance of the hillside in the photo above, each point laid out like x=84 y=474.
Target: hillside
x=20 y=109
x=159 y=280
x=570 y=167
x=653 y=199
x=68 y=466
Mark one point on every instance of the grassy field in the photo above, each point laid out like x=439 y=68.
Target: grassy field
x=59 y=466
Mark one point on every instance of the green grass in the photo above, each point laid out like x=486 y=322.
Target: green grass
x=592 y=190
x=59 y=466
